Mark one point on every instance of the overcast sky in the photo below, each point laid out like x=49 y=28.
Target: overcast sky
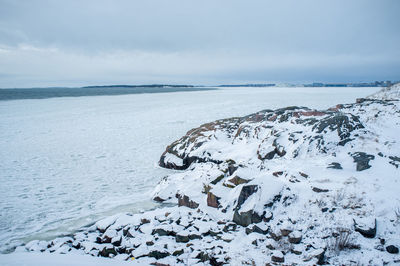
x=73 y=43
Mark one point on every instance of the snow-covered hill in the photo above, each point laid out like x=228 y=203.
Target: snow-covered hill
x=292 y=186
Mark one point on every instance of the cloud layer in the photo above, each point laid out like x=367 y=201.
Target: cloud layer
x=71 y=43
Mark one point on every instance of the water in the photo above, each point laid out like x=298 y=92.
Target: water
x=66 y=162
x=44 y=93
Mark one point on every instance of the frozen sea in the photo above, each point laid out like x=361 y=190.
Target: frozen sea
x=67 y=162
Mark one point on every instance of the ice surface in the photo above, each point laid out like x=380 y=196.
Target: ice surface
x=67 y=162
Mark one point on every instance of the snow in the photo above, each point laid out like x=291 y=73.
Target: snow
x=42 y=259
x=68 y=162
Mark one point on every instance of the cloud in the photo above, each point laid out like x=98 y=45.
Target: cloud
x=86 y=42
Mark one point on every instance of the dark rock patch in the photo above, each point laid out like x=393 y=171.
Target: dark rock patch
x=106 y=252
x=319 y=190
x=158 y=254
x=392 y=249
x=362 y=160
x=366 y=232
x=335 y=165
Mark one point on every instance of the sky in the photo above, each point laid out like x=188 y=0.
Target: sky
x=97 y=42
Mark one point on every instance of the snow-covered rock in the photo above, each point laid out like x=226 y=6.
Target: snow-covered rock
x=293 y=186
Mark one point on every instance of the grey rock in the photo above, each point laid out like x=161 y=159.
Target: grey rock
x=335 y=165
x=362 y=160
x=181 y=238
x=366 y=232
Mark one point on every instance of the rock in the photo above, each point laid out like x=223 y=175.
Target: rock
x=177 y=252
x=116 y=241
x=194 y=236
x=277 y=256
x=76 y=245
x=232 y=168
x=185 y=201
x=335 y=165
x=106 y=252
x=285 y=231
x=203 y=257
x=394 y=161
x=319 y=254
x=127 y=233
x=160 y=232
x=158 y=254
x=144 y=221
x=277 y=174
x=246 y=218
x=303 y=174
x=212 y=200
x=158 y=199
x=366 y=232
x=181 y=238
x=275 y=235
x=256 y=229
x=344 y=124
x=295 y=237
x=229 y=227
x=245 y=193
x=270 y=244
x=296 y=250
x=362 y=160
x=216 y=181
x=392 y=249
x=149 y=243
x=159 y=264
x=319 y=190
x=238 y=180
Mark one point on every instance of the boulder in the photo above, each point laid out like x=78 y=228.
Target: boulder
x=245 y=193
x=158 y=254
x=392 y=249
x=246 y=218
x=278 y=256
x=180 y=238
x=106 y=252
x=185 y=201
x=212 y=200
x=368 y=232
x=295 y=237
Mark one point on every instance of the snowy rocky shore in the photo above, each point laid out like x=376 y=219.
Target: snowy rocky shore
x=287 y=186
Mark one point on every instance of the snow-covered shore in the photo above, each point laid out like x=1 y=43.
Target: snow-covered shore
x=292 y=185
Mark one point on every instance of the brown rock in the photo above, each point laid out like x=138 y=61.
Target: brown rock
x=185 y=201
x=238 y=180
x=278 y=173
x=212 y=200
